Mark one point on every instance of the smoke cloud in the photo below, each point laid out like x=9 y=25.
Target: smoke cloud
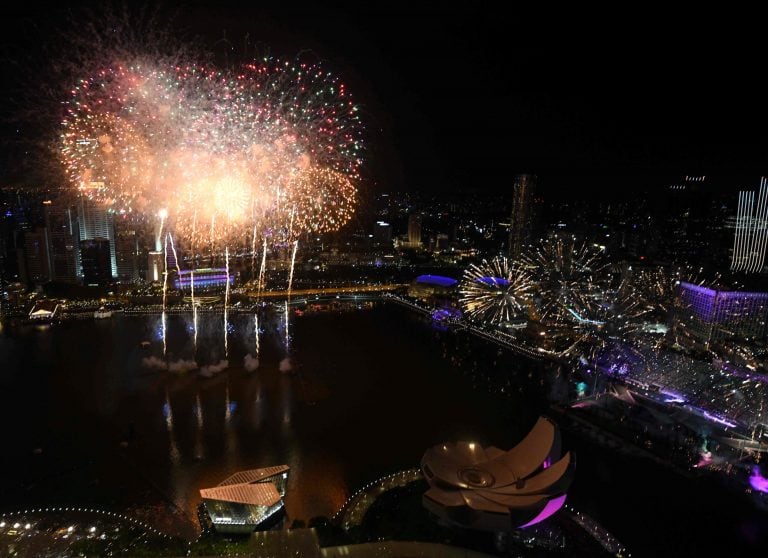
x=182 y=365
x=250 y=363
x=285 y=365
x=209 y=370
x=154 y=362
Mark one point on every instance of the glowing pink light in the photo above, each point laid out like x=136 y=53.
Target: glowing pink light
x=705 y=458
x=551 y=507
x=758 y=481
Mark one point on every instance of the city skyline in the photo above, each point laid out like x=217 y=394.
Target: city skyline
x=338 y=280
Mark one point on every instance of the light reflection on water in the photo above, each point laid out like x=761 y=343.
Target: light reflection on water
x=351 y=409
x=369 y=391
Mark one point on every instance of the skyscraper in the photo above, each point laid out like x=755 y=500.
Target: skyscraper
x=382 y=235
x=751 y=231
x=63 y=241
x=414 y=230
x=96 y=260
x=96 y=222
x=155 y=266
x=36 y=255
x=521 y=218
x=127 y=247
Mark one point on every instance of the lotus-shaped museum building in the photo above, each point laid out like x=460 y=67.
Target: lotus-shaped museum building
x=490 y=489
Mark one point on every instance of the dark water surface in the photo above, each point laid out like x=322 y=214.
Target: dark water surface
x=85 y=423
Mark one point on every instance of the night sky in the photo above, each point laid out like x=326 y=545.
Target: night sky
x=458 y=99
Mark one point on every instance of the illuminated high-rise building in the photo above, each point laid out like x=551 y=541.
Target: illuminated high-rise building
x=751 y=230
x=96 y=261
x=63 y=241
x=36 y=255
x=127 y=247
x=414 y=230
x=96 y=222
x=155 y=266
x=712 y=315
x=521 y=218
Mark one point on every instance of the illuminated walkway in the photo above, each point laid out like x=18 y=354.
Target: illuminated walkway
x=325 y=291
x=354 y=509
x=497 y=337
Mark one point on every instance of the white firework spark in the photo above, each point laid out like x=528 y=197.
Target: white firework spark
x=568 y=275
x=495 y=291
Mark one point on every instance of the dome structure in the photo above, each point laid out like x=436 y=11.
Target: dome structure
x=494 y=490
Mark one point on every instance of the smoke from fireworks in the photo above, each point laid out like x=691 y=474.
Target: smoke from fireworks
x=273 y=144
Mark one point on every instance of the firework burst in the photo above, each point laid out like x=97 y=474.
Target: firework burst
x=495 y=291
x=616 y=314
x=658 y=287
x=271 y=143
x=569 y=277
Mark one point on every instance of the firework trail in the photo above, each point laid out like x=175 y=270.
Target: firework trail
x=290 y=272
x=165 y=291
x=256 y=332
x=175 y=255
x=272 y=147
x=253 y=251
x=226 y=304
x=260 y=287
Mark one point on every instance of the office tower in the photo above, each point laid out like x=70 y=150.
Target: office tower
x=63 y=241
x=382 y=235
x=96 y=222
x=414 y=231
x=96 y=259
x=155 y=266
x=127 y=247
x=521 y=218
x=36 y=255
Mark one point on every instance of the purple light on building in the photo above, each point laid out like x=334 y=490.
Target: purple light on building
x=758 y=481
x=204 y=279
x=672 y=396
x=493 y=281
x=551 y=507
x=442 y=314
x=711 y=305
x=719 y=420
x=438 y=280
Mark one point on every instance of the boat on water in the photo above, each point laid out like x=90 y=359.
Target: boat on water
x=102 y=313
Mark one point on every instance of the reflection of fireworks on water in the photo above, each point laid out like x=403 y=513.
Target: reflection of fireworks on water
x=567 y=275
x=495 y=291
